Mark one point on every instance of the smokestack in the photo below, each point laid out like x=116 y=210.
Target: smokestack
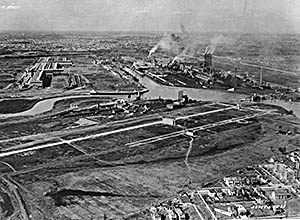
x=261 y=76
x=208 y=59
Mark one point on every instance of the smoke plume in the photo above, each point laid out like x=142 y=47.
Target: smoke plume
x=215 y=42
x=170 y=43
x=181 y=46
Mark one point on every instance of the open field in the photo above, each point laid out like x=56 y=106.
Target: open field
x=35 y=158
x=62 y=117
x=129 y=189
x=200 y=120
x=10 y=69
x=79 y=102
x=117 y=141
x=122 y=173
x=16 y=105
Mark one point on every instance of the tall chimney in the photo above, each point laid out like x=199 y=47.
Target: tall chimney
x=208 y=59
x=261 y=76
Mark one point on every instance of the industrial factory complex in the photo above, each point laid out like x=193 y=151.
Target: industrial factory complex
x=152 y=126
x=40 y=74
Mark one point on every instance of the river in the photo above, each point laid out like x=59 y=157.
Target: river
x=156 y=90
x=48 y=104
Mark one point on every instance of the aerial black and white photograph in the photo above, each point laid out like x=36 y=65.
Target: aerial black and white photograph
x=149 y=109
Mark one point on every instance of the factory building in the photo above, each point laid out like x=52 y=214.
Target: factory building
x=41 y=73
x=53 y=69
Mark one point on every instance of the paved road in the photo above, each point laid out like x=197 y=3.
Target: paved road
x=182 y=132
x=134 y=144
x=49 y=136
x=206 y=113
x=4 y=154
x=55 y=134
x=198 y=213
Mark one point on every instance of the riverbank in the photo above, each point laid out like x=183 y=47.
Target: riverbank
x=154 y=91
x=22 y=107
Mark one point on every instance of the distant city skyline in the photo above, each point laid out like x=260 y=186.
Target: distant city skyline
x=250 y=16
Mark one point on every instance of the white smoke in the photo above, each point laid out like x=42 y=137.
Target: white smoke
x=154 y=49
x=181 y=46
x=170 y=43
x=175 y=59
x=216 y=41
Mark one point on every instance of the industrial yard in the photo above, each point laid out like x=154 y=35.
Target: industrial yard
x=180 y=125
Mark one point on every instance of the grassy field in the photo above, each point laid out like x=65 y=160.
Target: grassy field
x=129 y=189
x=34 y=158
x=118 y=140
x=145 y=174
x=80 y=102
x=16 y=105
x=211 y=118
x=14 y=67
x=123 y=180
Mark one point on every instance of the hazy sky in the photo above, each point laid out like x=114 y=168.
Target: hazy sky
x=151 y=15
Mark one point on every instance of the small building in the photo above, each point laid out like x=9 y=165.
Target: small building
x=232 y=181
x=65 y=62
x=290 y=175
x=281 y=194
x=169 y=120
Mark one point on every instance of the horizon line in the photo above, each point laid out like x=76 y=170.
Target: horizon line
x=139 y=31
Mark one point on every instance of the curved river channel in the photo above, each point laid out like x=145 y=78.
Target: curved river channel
x=156 y=90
